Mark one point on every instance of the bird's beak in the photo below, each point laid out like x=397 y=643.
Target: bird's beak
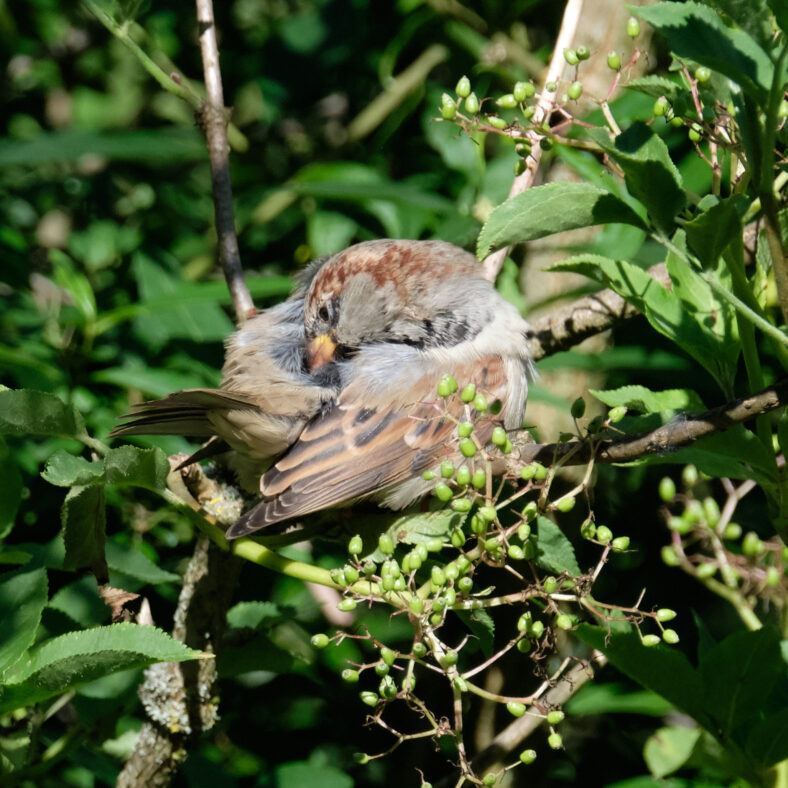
x=320 y=351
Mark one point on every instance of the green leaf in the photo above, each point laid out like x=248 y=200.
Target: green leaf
x=27 y=412
x=554 y=552
x=780 y=11
x=662 y=669
x=644 y=400
x=79 y=657
x=80 y=601
x=752 y=16
x=84 y=525
x=668 y=749
x=656 y=85
x=249 y=615
x=12 y=489
x=767 y=741
x=650 y=174
x=329 y=232
x=65 y=470
x=130 y=561
x=482 y=626
x=130 y=465
x=302 y=774
x=710 y=232
x=695 y=31
x=552 y=208
x=23 y=596
x=616 y=698
x=738 y=676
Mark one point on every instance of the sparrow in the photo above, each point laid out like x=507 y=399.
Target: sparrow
x=332 y=396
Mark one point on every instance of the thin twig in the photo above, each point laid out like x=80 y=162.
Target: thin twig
x=492 y=263
x=215 y=117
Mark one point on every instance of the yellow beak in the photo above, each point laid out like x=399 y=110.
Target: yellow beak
x=320 y=351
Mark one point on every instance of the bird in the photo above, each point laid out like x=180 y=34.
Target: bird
x=331 y=397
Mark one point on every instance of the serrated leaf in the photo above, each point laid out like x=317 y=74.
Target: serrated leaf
x=130 y=465
x=655 y=85
x=668 y=749
x=643 y=400
x=23 y=596
x=710 y=232
x=80 y=601
x=552 y=208
x=554 y=552
x=126 y=559
x=84 y=525
x=63 y=469
x=249 y=615
x=78 y=657
x=695 y=31
x=649 y=172
x=28 y=412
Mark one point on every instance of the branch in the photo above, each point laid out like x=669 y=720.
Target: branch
x=678 y=433
x=215 y=117
x=492 y=263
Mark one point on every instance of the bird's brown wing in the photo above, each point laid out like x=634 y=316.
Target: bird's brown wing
x=365 y=445
x=181 y=413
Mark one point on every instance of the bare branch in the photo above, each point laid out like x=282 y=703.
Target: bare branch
x=215 y=117
x=672 y=436
x=493 y=262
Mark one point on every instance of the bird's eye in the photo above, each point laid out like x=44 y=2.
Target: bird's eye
x=322 y=313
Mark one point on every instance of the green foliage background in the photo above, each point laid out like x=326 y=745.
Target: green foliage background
x=110 y=295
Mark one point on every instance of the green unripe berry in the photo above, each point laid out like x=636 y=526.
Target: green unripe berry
x=614 y=60
x=620 y=544
x=480 y=403
x=669 y=556
x=583 y=52
x=388 y=655
x=350 y=676
x=704 y=571
x=588 y=529
x=447 y=385
x=442 y=492
x=434 y=545
x=320 y=640
x=421 y=551
x=355 y=545
x=468 y=393
x=487 y=513
x=676 y=121
x=536 y=630
x=416 y=606
x=555 y=716
x=679 y=525
x=772 y=577
x=463 y=475
x=564 y=621
x=578 y=408
x=346 y=605
x=751 y=545
x=451 y=596
x=369 y=697
x=387 y=583
x=368 y=567
x=782 y=110
x=529 y=550
x=545 y=143
x=361 y=757
x=449 y=659
x=464 y=585
x=461 y=505
x=479 y=479
x=689 y=475
x=523 y=91
x=515 y=709
x=694 y=132
x=436 y=619
x=571 y=57
x=524 y=645
x=472 y=104
x=554 y=741
x=448 y=107
x=616 y=414
x=667 y=489
x=428 y=475
x=439 y=604
x=385 y=544
x=665 y=614
x=732 y=531
x=661 y=106
x=463 y=87
x=438 y=576
x=702 y=74
x=507 y=101
x=464 y=429
x=528 y=757
x=463 y=563
x=399 y=583
x=650 y=640
x=419 y=650
x=457 y=538
x=515 y=552
x=633 y=27
x=527 y=472
x=529 y=511
x=575 y=90
x=467 y=447
x=499 y=436
x=670 y=636
x=541 y=472
x=523 y=531
x=351 y=574
x=711 y=512
x=550 y=585
x=603 y=534
x=523 y=148
x=524 y=621
x=489 y=779
x=387 y=688
x=565 y=504
x=550 y=87
x=496 y=122
x=478 y=526
x=447 y=469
